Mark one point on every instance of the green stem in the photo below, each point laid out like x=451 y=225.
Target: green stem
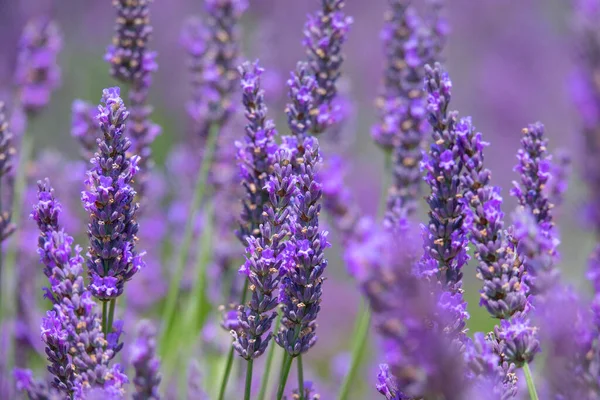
x=105 y=318
x=248 y=380
x=300 y=377
x=285 y=372
x=530 y=384
x=229 y=361
x=361 y=332
x=270 y=355
x=226 y=373
x=7 y=292
x=199 y=192
x=111 y=316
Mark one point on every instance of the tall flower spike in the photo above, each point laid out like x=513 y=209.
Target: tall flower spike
x=79 y=354
x=131 y=62
x=112 y=259
x=409 y=45
x=423 y=356
x=324 y=34
x=301 y=91
x=503 y=293
x=266 y=255
x=445 y=235
x=223 y=25
x=534 y=169
x=7 y=152
x=302 y=284
x=37 y=73
x=256 y=153
x=128 y=56
x=145 y=363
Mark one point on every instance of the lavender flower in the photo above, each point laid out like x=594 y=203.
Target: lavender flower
x=112 y=259
x=145 y=362
x=266 y=255
x=78 y=352
x=7 y=152
x=422 y=330
x=559 y=174
x=445 y=235
x=503 y=293
x=37 y=73
x=214 y=51
x=520 y=339
x=84 y=127
x=324 y=34
x=128 y=56
x=310 y=392
x=302 y=285
x=256 y=153
x=301 y=90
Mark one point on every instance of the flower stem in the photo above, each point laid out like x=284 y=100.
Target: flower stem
x=530 y=384
x=111 y=316
x=361 y=331
x=270 y=355
x=105 y=318
x=285 y=372
x=229 y=361
x=248 y=380
x=170 y=307
x=300 y=377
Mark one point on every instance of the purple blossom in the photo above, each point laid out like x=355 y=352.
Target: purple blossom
x=559 y=175
x=265 y=254
x=303 y=280
x=256 y=153
x=519 y=338
x=78 y=353
x=310 y=393
x=128 y=55
x=302 y=91
x=324 y=34
x=445 y=236
x=504 y=293
x=37 y=73
x=112 y=258
x=145 y=362
x=35 y=390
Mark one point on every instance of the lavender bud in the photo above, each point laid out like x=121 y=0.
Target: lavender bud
x=7 y=152
x=37 y=73
x=145 y=362
x=84 y=127
x=520 y=339
x=112 y=259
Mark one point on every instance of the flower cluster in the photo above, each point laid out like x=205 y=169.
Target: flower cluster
x=504 y=292
x=84 y=127
x=145 y=363
x=445 y=234
x=302 y=90
x=301 y=289
x=256 y=153
x=112 y=258
x=76 y=348
x=324 y=33
x=266 y=255
x=128 y=55
x=37 y=74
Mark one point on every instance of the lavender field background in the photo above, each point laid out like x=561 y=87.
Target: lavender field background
x=511 y=64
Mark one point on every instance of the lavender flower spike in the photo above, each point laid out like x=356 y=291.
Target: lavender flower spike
x=256 y=153
x=128 y=56
x=7 y=152
x=37 y=73
x=146 y=363
x=84 y=127
x=445 y=235
x=302 y=285
x=503 y=293
x=324 y=34
x=266 y=255
x=112 y=258
x=78 y=352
